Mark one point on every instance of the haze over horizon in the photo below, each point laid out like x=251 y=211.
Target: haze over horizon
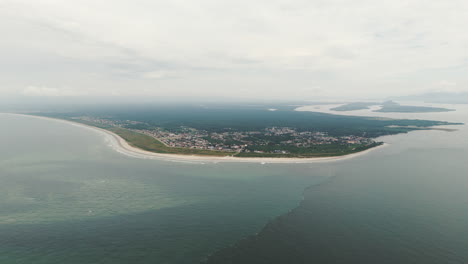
x=241 y=49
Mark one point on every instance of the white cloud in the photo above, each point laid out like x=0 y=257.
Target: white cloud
x=445 y=83
x=49 y=91
x=269 y=48
x=156 y=74
x=448 y=86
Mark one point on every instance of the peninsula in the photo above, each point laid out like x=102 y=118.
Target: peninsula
x=243 y=132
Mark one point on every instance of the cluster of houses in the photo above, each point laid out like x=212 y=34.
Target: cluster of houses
x=277 y=138
x=187 y=137
x=245 y=141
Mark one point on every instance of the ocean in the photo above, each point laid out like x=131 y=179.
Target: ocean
x=66 y=196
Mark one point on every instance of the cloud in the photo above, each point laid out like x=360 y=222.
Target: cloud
x=448 y=87
x=445 y=83
x=221 y=48
x=49 y=91
x=156 y=75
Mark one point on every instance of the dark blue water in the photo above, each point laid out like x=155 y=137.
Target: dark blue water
x=407 y=204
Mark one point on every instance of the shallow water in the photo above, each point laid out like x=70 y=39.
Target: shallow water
x=67 y=197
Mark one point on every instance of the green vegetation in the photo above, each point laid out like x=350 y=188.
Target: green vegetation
x=392 y=107
x=151 y=144
x=329 y=150
x=237 y=118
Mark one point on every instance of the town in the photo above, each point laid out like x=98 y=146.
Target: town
x=279 y=140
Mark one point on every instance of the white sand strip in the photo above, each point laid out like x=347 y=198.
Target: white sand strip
x=122 y=146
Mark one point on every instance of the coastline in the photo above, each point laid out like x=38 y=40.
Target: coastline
x=122 y=146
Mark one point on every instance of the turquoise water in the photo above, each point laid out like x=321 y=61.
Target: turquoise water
x=67 y=197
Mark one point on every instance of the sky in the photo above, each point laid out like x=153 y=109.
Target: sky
x=281 y=49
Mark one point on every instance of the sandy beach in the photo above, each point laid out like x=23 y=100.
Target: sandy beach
x=122 y=146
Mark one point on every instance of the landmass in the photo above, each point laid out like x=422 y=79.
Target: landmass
x=244 y=132
x=390 y=107
x=393 y=107
x=354 y=106
x=438 y=97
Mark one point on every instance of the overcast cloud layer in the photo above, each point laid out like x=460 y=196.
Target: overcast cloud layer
x=240 y=48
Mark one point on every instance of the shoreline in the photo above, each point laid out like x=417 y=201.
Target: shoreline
x=122 y=146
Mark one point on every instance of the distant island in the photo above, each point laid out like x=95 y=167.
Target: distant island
x=243 y=132
x=390 y=107
x=354 y=106
x=438 y=97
